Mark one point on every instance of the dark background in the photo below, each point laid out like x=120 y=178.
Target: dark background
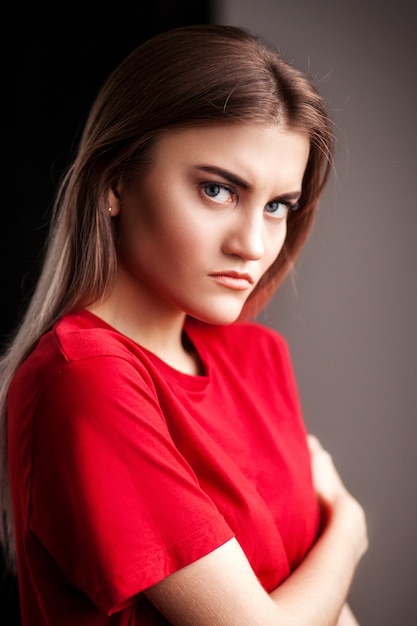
x=55 y=59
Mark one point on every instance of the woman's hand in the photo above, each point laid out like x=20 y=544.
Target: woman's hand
x=336 y=501
x=328 y=484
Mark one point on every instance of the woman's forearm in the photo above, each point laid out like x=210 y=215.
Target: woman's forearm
x=347 y=618
x=316 y=592
x=221 y=588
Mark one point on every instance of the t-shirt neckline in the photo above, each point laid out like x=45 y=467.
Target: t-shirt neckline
x=192 y=382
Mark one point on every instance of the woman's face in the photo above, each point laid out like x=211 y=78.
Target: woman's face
x=203 y=224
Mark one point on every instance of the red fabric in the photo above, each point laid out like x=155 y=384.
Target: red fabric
x=124 y=470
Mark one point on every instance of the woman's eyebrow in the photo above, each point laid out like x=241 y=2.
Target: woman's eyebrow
x=243 y=184
x=232 y=178
x=292 y=196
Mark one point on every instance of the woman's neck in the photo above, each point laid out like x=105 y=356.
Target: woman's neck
x=151 y=323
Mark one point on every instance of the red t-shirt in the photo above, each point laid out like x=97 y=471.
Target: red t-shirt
x=124 y=470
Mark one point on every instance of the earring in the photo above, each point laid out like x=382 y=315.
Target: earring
x=110 y=210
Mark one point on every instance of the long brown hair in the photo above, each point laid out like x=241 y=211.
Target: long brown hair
x=189 y=76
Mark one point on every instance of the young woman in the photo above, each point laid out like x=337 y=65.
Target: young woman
x=156 y=468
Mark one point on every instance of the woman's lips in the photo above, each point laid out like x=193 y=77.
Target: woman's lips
x=233 y=280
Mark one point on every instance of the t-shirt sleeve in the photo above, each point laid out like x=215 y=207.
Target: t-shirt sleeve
x=113 y=501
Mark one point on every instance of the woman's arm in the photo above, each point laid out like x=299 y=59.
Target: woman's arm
x=347 y=618
x=221 y=589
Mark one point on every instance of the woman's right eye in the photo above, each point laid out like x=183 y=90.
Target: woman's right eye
x=218 y=192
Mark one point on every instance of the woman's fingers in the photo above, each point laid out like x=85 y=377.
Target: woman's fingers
x=326 y=478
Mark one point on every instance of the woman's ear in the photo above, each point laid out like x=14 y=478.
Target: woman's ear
x=113 y=202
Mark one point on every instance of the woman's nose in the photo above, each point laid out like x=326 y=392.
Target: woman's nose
x=244 y=237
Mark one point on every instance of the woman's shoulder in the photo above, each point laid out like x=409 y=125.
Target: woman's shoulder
x=79 y=348
x=82 y=334
x=75 y=338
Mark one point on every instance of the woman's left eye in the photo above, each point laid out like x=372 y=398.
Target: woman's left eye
x=218 y=192
x=277 y=209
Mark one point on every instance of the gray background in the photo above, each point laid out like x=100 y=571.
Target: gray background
x=349 y=312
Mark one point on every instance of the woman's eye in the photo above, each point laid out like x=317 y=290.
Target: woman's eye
x=277 y=209
x=218 y=192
